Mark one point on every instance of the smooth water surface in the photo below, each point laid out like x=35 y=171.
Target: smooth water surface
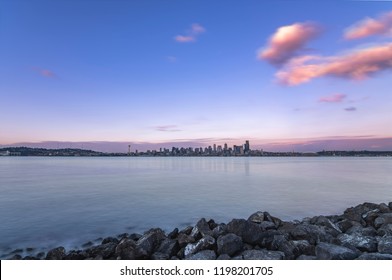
x=48 y=201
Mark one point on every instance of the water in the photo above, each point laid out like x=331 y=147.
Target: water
x=47 y=202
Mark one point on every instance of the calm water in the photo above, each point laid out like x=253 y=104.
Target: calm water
x=46 y=202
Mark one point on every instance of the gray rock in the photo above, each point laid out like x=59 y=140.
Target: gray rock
x=110 y=240
x=262 y=255
x=184 y=239
x=355 y=213
x=207 y=242
x=229 y=244
x=385 y=245
x=56 y=254
x=219 y=230
x=345 y=224
x=249 y=232
x=327 y=251
x=269 y=218
x=126 y=250
x=203 y=255
x=106 y=250
x=385 y=218
x=257 y=217
x=303 y=247
x=173 y=234
x=169 y=247
x=266 y=225
x=150 y=241
x=375 y=256
x=384 y=208
x=187 y=230
x=325 y=222
x=313 y=233
x=359 y=230
x=362 y=243
x=203 y=227
x=76 y=255
x=385 y=230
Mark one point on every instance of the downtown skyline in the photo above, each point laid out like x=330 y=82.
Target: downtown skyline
x=287 y=75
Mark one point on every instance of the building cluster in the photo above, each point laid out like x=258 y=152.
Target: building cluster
x=214 y=150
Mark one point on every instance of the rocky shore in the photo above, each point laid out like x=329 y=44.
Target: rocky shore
x=363 y=232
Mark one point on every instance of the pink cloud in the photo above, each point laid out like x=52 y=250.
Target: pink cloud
x=167 y=128
x=336 y=98
x=356 y=65
x=287 y=41
x=191 y=34
x=45 y=72
x=369 y=26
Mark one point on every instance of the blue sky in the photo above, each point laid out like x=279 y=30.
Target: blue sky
x=84 y=71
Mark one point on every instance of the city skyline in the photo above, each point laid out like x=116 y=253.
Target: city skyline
x=284 y=74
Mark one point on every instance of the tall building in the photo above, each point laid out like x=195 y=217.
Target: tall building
x=246 y=146
x=225 y=147
x=214 y=148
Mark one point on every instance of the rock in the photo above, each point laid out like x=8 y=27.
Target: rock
x=207 y=242
x=30 y=258
x=17 y=251
x=345 y=224
x=40 y=255
x=385 y=230
x=266 y=225
x=107 y=250
x=224 y=257
x=126 y=249
x=306 y=258
x=326 y=251
x=203 y=227
x=303 y=247
x=110 y=240
x=16 y=257
x=370 y=216
x=313 y=233
x=364 y=231
x=184 y=239
x=269 y=218
x=355 y=213
x=248 y=231
x=173 y=234
x=384 y=208
x=87 y=244
x=212 y=224
x=375 y=256
x=325 y=222
x=169 y=247
x=385 y=218
x=203 y=255
x=76 y=255
x=390 y=205
x=385 y=245
x=280 y=243
x=262 y=255
x=150 y=241
x=56 y=254
x=362 y=243
x=229 y=244
x=135 y=236
x=257 y=217
x=219 y=230
x=187 y=230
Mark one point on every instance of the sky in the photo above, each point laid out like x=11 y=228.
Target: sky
x=286 y=75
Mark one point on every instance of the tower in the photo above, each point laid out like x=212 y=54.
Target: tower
x=129 y=150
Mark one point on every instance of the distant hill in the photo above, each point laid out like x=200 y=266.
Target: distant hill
x=25 y=151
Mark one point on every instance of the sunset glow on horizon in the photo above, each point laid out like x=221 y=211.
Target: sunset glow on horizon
x=283 y=74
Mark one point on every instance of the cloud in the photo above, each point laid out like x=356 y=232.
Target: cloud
x=356 y=65
x=191 y=34
x=167 y=128
x=369 y=27
x=350 y=109
x=336 y=98
x=44 y=72
x=287 y=41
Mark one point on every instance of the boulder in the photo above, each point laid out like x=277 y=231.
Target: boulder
x=173 y=234
x=56 y=254
x=224 y=257
x=249 y=232
x=229 y=244
x=76 y=255
x=257 y=217
x=219 y=230
x=362 y=243
x=184 y=239
x=385 y=218
x=266 y=225
x=313 y=233
x=203 y=255
x=110 y=240
x=106 y=250
x=327 y=251
x=385 y=230
x=356 y=213
x=303 y=247
x=159 y=256
x=385 y=245
x=126 y=250
x=325 y=222
x=364 y=231
x=150 y=241
x=207 y=242
x=169 y=247
x=306 y=258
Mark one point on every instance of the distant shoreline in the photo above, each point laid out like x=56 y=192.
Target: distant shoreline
x=24 y=151
x=362 y=232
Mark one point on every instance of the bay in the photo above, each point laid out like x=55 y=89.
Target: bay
x=66 y=201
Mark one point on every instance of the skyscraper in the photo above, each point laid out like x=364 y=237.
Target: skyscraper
x=246 y=146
